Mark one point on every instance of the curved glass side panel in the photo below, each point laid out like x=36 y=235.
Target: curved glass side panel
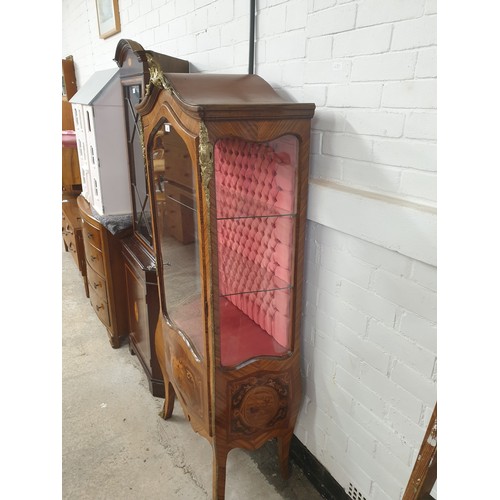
x=177 y=225
x=255 y=187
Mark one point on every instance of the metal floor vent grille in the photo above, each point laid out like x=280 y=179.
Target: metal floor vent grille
x=354 y=494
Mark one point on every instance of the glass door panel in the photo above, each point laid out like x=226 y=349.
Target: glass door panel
x=255 y=187
x=140 y=193
x=177 y=225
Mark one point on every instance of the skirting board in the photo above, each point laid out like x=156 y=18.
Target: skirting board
x=319 y=477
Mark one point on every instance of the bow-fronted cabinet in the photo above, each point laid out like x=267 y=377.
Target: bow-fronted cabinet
x=230 y=159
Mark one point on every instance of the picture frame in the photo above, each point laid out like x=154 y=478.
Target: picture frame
x=108 y=17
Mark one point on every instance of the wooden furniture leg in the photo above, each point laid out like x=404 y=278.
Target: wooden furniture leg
x=284 y=443
x=219 y=471
x=168 y=405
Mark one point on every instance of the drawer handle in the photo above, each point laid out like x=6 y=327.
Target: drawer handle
x=93 y=258
x=96 y=285
x=90 y=236
x=99 y=307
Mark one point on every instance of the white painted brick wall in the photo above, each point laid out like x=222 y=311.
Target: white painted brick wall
x=372 y=40
x=417 y=94
x=357 y=95
x=389 y=66
x=415 y=33
x=372 y=12
x=333 y=20
x=369 y=317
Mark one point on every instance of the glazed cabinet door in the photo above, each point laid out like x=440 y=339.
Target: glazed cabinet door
x=178 y=241
x=141 y=202
x=179 y=267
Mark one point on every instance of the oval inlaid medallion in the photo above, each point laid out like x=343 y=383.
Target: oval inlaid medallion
x=259 y=406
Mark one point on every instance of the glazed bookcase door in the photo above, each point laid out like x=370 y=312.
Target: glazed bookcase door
x=255 y=186
x=141 y=202
x=176 y=215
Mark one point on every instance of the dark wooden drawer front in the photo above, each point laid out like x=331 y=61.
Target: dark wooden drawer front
x=100 y=307
x=92 y=235
x=97 y=283
x=94 y=258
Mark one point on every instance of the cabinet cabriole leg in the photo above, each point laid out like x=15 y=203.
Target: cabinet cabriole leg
x=219 y=471
x=284 y=443
x=168 y=404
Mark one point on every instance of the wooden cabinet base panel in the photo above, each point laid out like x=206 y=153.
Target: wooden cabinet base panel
x=143 y=309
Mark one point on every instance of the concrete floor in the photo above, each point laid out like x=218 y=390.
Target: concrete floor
x=114 y=444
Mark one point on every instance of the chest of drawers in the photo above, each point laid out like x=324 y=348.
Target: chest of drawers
x=105 y=273
x=72 y=235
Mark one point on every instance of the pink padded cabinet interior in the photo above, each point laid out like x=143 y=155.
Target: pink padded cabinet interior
x=255 y=189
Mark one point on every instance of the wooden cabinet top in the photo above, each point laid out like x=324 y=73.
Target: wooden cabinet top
x=226 y=97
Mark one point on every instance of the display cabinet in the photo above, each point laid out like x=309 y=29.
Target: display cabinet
x=101 y=142
x=135 y=66
x=229 y=161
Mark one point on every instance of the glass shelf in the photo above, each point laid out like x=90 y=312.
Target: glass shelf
x=238 y=274
x=255 y=254
x=231 y=204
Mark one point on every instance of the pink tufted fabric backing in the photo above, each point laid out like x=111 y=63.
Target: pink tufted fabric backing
x=255 y=189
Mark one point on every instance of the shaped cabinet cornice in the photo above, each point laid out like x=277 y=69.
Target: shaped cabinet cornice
x=101 y=141
x=229 y=223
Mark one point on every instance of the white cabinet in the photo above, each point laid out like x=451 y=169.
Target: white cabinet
x=102 y=145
